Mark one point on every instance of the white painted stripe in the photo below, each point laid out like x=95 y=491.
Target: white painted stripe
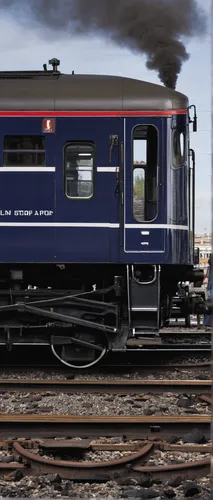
x=27 y=169
x=108 y=225
x=107 y=169
x=156 y=226
x=145 y=233
x=52 y=169
x=60 y=224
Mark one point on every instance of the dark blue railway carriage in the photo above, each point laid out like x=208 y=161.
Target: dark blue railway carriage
x=96 y=210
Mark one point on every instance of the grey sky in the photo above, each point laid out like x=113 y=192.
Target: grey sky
x=95 y=55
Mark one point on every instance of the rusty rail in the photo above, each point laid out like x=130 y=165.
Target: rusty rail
x=29 y=461
x=132 y=427
x=104 y=471
x=206 y=399
x=107 y=386
x=189 y=469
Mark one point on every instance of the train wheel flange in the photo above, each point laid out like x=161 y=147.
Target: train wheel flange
x=80 y=347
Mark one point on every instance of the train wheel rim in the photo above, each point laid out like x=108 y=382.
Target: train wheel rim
x=80 y=367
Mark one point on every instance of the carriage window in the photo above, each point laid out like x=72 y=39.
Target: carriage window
x=179 y=148
x=79 y=167
x=145 y=162
x=24 y=151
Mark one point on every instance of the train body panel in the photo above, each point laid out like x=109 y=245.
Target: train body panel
x=42 y=220
x=96 y=211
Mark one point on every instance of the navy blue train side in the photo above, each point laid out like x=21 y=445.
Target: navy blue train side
x=96 y=210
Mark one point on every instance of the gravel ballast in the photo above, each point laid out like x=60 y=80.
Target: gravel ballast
x=101 y=404
x=146 y=374
x=52 y=487
x=46 y=403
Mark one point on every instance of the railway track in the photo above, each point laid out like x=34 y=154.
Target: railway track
x=25 y=368
x=29 y=460
x=70 y=448
x=107 y=386
x=134 y=427
x=135 y=356
x=149 y=345
x=51 y=367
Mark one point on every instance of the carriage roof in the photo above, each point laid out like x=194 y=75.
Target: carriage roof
x=56 y=91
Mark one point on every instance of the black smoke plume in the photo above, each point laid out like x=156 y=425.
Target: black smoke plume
x=154 y=28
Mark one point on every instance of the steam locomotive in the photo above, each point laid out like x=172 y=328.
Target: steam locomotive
x=96 y=211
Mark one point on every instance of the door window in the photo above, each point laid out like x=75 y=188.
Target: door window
x=145 y=164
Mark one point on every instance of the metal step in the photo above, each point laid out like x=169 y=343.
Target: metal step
x=143 y=341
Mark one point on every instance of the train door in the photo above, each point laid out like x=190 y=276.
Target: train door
x=87 y=157
x=144 y=186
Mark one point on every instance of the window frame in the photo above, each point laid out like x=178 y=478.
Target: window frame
x=94 y=168
x=144 y=166
x=22 y=151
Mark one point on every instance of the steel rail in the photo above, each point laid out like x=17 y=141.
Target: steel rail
x=136 y=345
x=206 y=399
x=88 y=444
x=82 y=465
x=136 y=427
x=198 y=467
x=107 y=386
x=149 y=346
x=57 y=367
x=75 y=470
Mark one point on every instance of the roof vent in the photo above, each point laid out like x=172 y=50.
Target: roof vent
x=53 y=73
x=54 y=63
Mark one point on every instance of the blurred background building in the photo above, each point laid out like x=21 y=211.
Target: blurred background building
x=204 y=242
